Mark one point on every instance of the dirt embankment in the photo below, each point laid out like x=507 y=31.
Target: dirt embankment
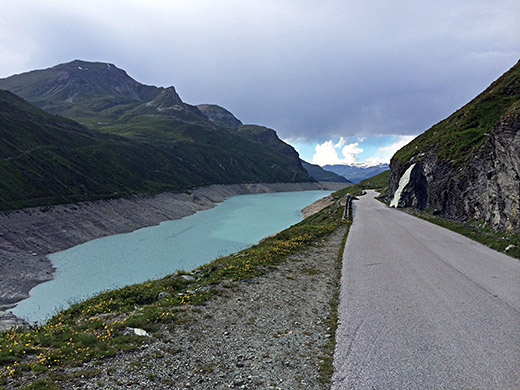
x=28 y=235
x=317 y=206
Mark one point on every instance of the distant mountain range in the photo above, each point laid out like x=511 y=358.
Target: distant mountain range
x=357 y=172
x=323 y=175
x=121 y=138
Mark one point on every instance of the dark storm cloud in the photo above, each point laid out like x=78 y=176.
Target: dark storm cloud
x=310 y=69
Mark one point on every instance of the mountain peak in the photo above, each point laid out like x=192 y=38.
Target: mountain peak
x=76 y=81
x=167 y=99
x=219 y=115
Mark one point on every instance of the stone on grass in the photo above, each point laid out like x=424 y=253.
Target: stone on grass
x=510 y=248
x=162 y=295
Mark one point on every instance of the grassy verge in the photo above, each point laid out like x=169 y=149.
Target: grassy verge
x=327 y=358
x=103 y=325
x=477 y=231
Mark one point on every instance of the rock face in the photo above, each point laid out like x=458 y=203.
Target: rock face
x=411 y=191
x=483 y=181
x=219 y=115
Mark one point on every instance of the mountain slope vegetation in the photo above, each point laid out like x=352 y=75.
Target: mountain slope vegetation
x=130 y=139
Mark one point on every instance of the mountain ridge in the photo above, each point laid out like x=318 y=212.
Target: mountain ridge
x=358 y=171
x=179 y=144
x=322 y=175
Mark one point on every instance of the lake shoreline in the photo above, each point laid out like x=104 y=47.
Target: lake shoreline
x=27 y=236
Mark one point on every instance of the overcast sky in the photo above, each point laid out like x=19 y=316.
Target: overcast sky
x=343 y=81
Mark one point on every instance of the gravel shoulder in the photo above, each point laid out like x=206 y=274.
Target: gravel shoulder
x=263 y=333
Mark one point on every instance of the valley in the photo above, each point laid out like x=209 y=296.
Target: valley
x=87 y=151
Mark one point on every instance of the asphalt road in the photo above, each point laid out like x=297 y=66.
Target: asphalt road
x=422 y=307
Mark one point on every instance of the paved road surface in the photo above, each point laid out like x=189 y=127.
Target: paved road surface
x=424 y=308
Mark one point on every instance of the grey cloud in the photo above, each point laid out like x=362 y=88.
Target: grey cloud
x=312 y=69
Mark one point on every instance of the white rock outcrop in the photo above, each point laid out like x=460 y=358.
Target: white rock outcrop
x=403 y=182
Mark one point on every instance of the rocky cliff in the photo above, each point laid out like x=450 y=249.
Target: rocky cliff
x=467 y=166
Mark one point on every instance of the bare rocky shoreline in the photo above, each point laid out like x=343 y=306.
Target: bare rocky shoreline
x=27 y=236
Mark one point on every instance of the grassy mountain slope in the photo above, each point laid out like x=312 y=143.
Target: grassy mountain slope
x=47 y=159
x=467 y=166
x=148 y=132
x=457 y=137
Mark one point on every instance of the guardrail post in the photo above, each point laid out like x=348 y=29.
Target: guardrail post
x=346 y=212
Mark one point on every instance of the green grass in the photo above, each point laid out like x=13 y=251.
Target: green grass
x=97 y=328
x=47 y=159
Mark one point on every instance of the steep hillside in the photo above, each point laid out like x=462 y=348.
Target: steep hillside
x=356 y=172
x=170 y=145
x=47 y=159
x=468 y=166
x=323 y=175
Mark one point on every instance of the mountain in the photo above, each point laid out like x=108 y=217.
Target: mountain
x=323 y=175
x=103 y=96
x=48 y=159
x=357 y=172
x=130 y=139
x=468 y=165
x=219 y=115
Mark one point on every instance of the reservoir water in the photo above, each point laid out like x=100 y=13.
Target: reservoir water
x=153 y=252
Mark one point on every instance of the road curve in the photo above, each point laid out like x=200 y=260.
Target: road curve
x=422 y=307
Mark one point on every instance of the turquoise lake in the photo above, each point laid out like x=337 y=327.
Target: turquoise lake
x=153 y=252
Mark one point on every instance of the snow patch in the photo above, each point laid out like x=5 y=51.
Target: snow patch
x=403 y=182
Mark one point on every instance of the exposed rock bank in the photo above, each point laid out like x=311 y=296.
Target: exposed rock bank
x=486 y=188
x=28 y=235
x=467 y=166
x=317 y=206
